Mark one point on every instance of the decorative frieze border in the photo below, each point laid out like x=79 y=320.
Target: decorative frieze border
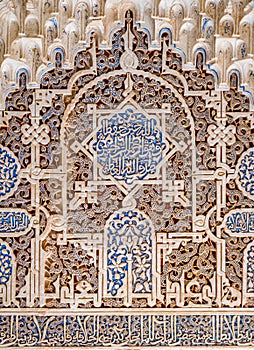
x=137 y=329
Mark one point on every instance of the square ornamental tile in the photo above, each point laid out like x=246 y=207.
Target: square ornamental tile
x=127 y=174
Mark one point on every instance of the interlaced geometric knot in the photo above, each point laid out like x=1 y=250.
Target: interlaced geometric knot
x=8 y=171
x=129 y=252
x=5 y=264
x=129 y=146
x=246 y=172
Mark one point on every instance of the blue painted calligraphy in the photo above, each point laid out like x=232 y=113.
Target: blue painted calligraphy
x=5 y=264
x=246 y=172
x=8 y=171
x=161 y=331
x=241 y=222
x=129 y=252
x=14 y=221
x=250 y=269
x=129 y=146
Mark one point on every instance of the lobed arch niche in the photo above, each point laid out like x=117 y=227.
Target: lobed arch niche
x=127 y=134
x=121 y=146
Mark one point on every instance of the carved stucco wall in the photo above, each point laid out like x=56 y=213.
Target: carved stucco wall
x=126 y=173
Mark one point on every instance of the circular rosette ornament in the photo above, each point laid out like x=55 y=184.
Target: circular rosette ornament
x=245 y=173
x=9 y=168
x=5 y=264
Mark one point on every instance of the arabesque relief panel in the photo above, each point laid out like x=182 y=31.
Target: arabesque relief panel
x=126 y=173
